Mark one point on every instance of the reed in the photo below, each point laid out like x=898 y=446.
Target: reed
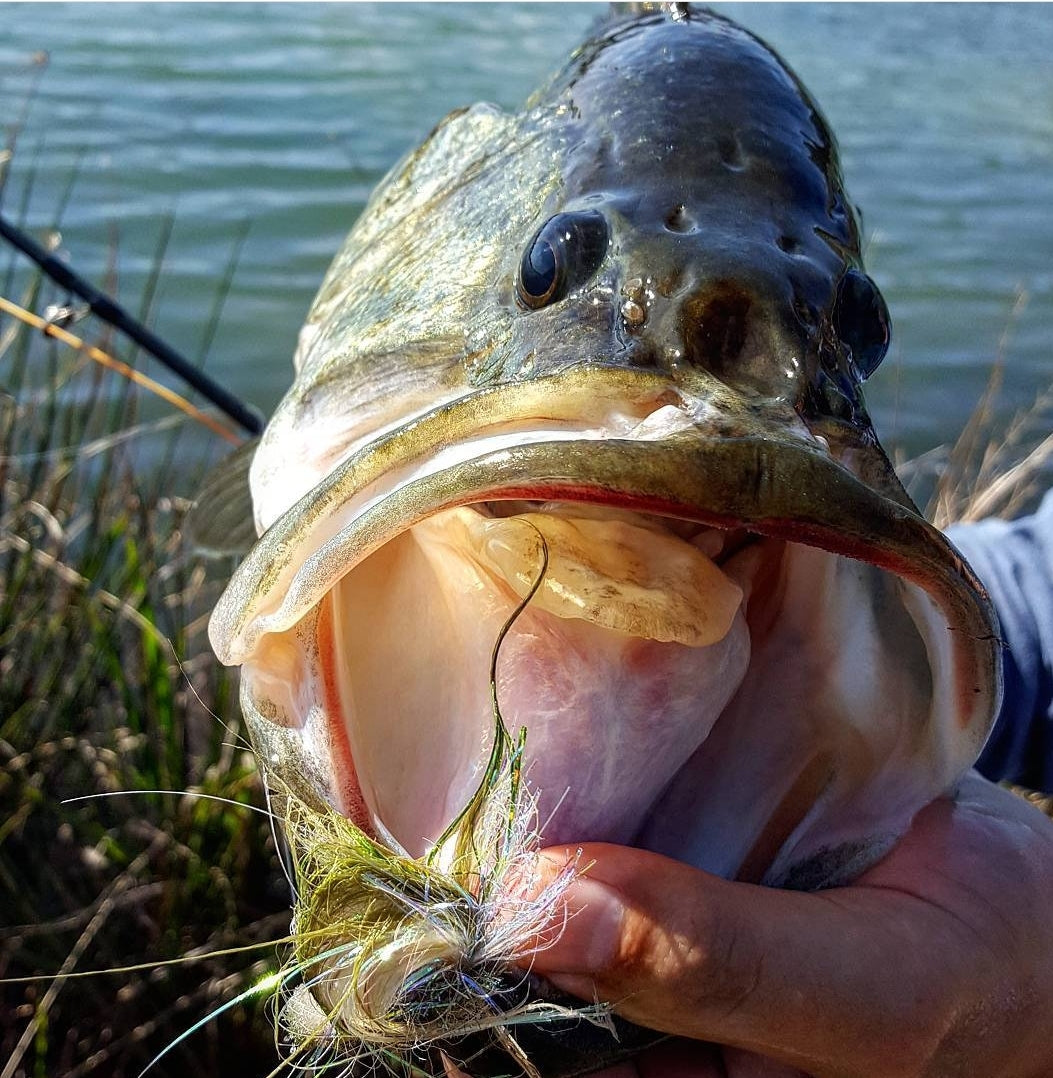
x=108 y=687
x=996 y=467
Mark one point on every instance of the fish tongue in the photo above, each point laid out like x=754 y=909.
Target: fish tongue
x=636 y=579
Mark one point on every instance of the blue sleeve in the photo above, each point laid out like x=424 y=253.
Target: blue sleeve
x=1014 y=559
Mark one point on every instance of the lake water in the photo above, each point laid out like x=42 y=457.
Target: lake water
x=285 y=116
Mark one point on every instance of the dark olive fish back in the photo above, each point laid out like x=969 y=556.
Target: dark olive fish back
x=718 y=181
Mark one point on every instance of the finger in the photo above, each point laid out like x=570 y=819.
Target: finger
x=857 y=981
x=646 y=933
x=680 y=951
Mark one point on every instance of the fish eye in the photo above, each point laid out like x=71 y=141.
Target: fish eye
x=564 y=253
x=861 y=321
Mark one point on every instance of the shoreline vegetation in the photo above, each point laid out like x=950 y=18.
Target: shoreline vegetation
x=109 y=693
x=108 y=689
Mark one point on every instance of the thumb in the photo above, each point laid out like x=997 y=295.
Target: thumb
x=641 y=931
x=832 y=983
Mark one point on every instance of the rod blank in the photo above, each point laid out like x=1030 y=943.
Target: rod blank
x=109 y=310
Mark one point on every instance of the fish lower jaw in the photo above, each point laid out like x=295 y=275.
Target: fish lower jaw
x=759 y=708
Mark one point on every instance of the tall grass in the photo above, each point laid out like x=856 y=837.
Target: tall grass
x=107 y=686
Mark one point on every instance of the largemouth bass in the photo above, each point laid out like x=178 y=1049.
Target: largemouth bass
x=574 y=527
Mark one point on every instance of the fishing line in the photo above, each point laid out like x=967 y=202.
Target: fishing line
x=242 y=742
x=103 y=444
x=174 y=793
x=144 y=967
x=111 y=312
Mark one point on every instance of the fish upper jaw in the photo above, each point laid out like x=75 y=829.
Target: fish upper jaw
x=788 y=735
x=536 y=438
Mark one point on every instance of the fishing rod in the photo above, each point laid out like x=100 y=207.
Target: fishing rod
x=109 y=310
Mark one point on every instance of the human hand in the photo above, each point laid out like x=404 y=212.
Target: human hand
x=938 y=961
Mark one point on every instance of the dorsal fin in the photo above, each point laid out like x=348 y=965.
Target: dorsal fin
x=675 y=11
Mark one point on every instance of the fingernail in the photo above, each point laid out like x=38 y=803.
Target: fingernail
x=586 y=930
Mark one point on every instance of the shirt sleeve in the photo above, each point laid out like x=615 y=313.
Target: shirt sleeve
x=1014 y=559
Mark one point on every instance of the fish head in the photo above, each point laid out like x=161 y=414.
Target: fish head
x=608 y=353
x=701 y=224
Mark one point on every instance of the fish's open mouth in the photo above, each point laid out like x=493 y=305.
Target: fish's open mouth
x=618 y=668
x=740 y=655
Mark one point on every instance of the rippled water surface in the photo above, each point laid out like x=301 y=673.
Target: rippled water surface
x=285 y=116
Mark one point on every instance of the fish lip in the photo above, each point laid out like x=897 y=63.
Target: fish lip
x=772 y=481
x=768 y=482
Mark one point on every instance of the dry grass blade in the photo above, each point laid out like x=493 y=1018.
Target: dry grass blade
x=70 y=576
x=994 y=468
x=107 y=684
x=1007 y=493
x=105 y=907
x=99 y=356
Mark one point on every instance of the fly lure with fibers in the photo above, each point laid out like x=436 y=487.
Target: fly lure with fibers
x=396 y=954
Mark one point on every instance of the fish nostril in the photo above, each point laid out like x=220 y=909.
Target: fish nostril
x=715 y=325
x=680 y=220
x=787 y=244
x=729 y=150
